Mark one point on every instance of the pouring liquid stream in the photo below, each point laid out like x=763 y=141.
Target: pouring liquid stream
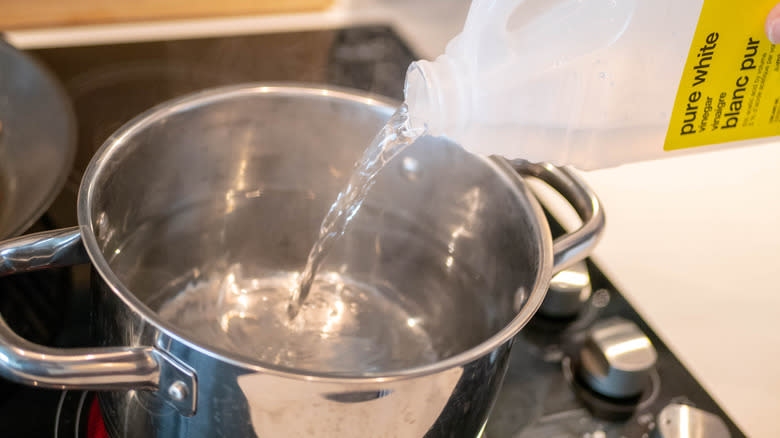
x=395 y=137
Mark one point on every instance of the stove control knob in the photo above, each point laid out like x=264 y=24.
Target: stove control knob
x=568 y=292
x=616 y=359
x=682 y=421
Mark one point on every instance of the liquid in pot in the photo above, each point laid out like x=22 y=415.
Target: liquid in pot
x=344 y=326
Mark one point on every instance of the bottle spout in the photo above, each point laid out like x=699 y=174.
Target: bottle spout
x=434 y=96
x=418 y=96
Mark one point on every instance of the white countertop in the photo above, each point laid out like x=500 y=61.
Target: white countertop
x=693 y=242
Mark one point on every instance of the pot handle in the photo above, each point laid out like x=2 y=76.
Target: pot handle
x=105 y=368
x=575 y=246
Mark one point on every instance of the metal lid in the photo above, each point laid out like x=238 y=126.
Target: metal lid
x=37 y=140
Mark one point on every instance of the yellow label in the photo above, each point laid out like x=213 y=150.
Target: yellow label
x=730 y=89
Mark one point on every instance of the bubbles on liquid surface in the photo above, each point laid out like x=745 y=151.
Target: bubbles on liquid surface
x=343 y=326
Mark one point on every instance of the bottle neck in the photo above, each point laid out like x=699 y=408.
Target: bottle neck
x=436 y=96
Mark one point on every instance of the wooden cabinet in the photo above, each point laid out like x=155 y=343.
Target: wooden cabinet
x=20 y=14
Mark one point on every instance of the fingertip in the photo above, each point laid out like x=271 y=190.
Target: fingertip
x=773 y=25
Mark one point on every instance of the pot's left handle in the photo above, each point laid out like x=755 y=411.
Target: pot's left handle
x=105 y=368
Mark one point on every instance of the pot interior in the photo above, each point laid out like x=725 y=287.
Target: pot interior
x=207 y=210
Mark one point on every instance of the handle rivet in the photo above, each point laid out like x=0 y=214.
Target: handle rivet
x=178 y=390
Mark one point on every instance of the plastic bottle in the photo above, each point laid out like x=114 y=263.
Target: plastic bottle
x=597 y=83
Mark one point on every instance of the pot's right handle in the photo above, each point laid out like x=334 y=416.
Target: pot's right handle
x=106 y=368
x=575 y=246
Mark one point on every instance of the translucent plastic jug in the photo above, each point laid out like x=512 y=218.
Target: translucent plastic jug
x=596 y=83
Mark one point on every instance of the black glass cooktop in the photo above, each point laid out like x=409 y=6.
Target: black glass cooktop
x=544 y=394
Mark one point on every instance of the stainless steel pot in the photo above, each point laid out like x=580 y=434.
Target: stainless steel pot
x=244 y=175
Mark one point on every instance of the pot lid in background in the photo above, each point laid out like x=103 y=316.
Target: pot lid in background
x=37 y=140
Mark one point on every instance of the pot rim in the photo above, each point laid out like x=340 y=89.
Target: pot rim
x=103 y=157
